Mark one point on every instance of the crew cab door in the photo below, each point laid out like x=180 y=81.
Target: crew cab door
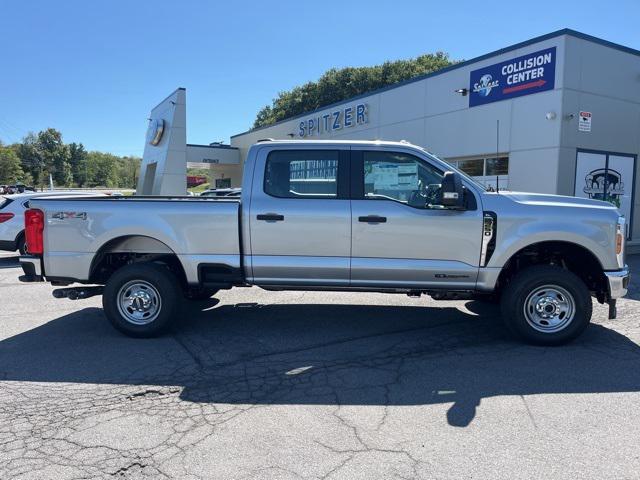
x=300 y=217
x=398 y=240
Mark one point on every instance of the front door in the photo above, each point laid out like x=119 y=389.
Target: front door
x=300 y=223
x=399 y=237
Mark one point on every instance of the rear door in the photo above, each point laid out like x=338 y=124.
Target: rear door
x=400 y=238
x=300 y=217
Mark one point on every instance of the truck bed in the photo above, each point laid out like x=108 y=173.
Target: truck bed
x=199 y=230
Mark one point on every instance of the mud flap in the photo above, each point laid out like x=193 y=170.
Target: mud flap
x=613 y=311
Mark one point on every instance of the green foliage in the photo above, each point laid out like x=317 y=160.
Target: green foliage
x=200 y=188
x=336 y=85
x=10 y=167
x=111 y=171
x=43 y=154
x=55 y=155
x=78 y=163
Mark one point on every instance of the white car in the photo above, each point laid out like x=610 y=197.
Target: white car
x=12 y=209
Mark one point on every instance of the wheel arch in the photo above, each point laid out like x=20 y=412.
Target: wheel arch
x=128 y=249
x=568 y=255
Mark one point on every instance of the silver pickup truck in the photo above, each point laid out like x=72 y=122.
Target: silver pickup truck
x=356 y=216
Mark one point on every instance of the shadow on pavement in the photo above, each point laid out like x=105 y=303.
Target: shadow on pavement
x=325 y=355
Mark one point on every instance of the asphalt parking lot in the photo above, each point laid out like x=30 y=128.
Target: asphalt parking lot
x=255 y=384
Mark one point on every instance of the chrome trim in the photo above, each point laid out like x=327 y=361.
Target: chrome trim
x=487 y=235
x=621 y=230
x=35 y=261
x=618 y=282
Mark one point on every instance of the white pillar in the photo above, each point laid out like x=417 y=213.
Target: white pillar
x=164 y=163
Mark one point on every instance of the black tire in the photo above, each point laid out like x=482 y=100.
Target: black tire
x=197 y=294
x=152 y=280
x=553 y=287
x=21 y=244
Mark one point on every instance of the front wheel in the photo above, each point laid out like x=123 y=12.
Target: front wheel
x=546 y=305
x=141 y=300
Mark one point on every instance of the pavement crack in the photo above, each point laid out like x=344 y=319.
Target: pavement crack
x=526 y=406
x=122 y=472
x=154 y=392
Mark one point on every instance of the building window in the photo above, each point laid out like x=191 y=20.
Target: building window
x=487 y=170
x=473 y=167
x=497 y=166
x=302 y=174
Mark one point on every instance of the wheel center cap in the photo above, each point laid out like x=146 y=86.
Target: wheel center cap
x=547 y=307
x=140 y=301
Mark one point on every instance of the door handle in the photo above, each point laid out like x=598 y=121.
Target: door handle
x=372 y=219
x=270 y=217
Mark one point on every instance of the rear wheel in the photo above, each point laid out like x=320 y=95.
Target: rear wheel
x=546 y=305
x=141 y=300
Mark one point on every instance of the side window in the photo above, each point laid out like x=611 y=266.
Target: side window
x=400 y=177
x=302 y=174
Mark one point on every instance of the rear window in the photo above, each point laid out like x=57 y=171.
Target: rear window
x=302 y=174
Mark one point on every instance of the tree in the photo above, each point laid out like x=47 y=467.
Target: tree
x=336 y=85
x=128 y=171
x=10 y=168
x=102 y=170
x=78 y=163
x=56 y=156
x=31 y=158
x=45 y=153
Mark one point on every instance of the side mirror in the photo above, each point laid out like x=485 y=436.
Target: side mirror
x=451 y=192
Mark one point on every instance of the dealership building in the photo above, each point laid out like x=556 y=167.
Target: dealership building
x=556 y=114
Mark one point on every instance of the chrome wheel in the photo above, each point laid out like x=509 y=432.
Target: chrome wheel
x=139 y=302
x=549 y=309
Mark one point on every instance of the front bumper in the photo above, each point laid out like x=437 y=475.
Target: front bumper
x=32 y=268
x=618 y=282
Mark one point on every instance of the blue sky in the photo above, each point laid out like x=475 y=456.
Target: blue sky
x=95 y=69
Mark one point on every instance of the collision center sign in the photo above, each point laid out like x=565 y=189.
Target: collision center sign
x=532 y=73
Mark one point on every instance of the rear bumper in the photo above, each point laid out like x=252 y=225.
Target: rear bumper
x=32 y=268
x=618 y=282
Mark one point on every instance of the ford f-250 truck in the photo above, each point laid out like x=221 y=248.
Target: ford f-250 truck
x=330 y=215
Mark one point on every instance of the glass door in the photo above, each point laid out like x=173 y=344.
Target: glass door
x=607 y=176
